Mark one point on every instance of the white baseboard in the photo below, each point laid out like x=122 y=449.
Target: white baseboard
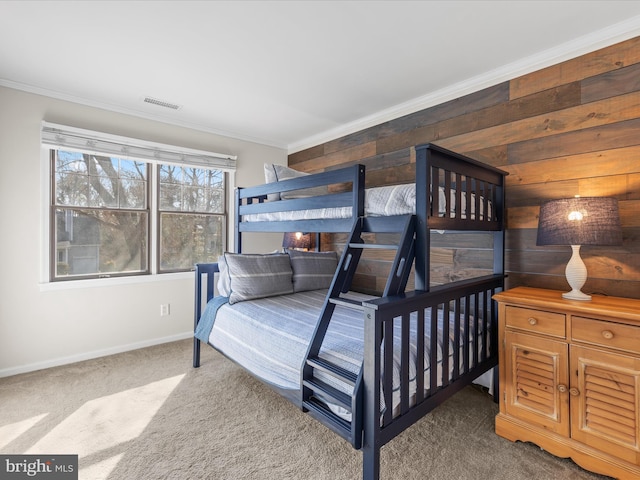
x=56 y=362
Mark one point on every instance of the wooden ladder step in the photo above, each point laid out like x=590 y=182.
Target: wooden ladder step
x=380 y=246
x=339 y=398
x=334 y=370
x=347 y=302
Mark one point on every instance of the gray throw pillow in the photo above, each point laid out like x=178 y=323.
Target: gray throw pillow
x=312 y=270
x=258 y=276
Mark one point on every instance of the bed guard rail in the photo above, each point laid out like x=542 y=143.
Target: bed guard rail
x=472 y=313
x=464 y=194
x=251 y=201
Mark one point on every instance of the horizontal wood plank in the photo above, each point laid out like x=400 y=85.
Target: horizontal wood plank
x=603 y=112
x=337 y=159
x=603 y=163
x=304 y=155
x=594 y=63
x=616 y=82
x=508 y=112
x=591 y=140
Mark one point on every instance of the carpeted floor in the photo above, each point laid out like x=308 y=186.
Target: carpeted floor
x=148 y=414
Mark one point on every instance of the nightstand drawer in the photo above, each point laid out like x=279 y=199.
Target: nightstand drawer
x=538 y=321
x=607 y=334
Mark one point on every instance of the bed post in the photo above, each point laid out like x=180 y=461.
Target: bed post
x=370 y=463
x=196 y=316
x=371 y=403
x=358 y=193
x=237 y=237
x=499 y=236
x=201 y=269
x=498 y=269
x=423 y=184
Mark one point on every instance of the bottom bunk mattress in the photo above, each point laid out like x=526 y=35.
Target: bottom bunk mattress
x=270 y=336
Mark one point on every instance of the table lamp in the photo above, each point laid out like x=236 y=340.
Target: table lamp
x=297 y=241
x=579 y=221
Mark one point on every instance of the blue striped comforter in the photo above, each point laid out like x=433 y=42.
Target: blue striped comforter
x=269 y=337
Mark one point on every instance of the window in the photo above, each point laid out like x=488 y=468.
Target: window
x=191 y=212
x=100 y=215
x=153 y=210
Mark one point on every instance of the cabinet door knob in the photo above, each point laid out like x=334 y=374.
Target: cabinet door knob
x=562 y=388
x=608 y=334
x=574 y=391
x=532 y=321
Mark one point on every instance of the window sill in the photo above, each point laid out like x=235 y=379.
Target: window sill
x=115 y=281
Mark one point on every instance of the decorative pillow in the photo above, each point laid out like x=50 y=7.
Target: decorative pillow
x=258 y=276
x=224 y=282
x=271 y=177
x=312 y=270
x=286 y=173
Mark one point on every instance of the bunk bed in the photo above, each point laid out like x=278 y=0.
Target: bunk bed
x=435 y=340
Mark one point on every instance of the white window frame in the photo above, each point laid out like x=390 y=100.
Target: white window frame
x=55 y=136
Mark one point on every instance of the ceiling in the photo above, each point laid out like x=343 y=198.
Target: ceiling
x=290 y=74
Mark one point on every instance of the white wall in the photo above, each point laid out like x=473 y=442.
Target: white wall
x=43 y=326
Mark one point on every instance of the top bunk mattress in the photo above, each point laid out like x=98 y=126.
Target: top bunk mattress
x=380 y=202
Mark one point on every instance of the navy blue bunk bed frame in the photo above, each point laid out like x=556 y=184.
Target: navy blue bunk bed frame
x=475 y=186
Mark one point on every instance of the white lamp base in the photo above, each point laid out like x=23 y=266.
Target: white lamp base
x=576 y=273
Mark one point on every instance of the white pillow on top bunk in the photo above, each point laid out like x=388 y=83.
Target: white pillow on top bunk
x=271 y=177
x=278 y=173
x=250 y=276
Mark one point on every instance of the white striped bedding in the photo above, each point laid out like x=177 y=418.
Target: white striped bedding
x=269 y=337
x=379 y=201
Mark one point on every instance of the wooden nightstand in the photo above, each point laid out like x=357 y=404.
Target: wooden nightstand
x=570 y=377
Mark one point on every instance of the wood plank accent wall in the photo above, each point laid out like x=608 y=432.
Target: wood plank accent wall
x=569 y=129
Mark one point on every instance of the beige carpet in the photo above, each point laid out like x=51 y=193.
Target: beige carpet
x=148 y=414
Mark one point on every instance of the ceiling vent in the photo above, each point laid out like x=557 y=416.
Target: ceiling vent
x=162 y=103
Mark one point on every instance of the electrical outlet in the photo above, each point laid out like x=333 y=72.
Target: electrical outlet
x=164 y=310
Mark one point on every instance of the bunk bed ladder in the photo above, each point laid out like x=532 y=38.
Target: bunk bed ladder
x=320 y=378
